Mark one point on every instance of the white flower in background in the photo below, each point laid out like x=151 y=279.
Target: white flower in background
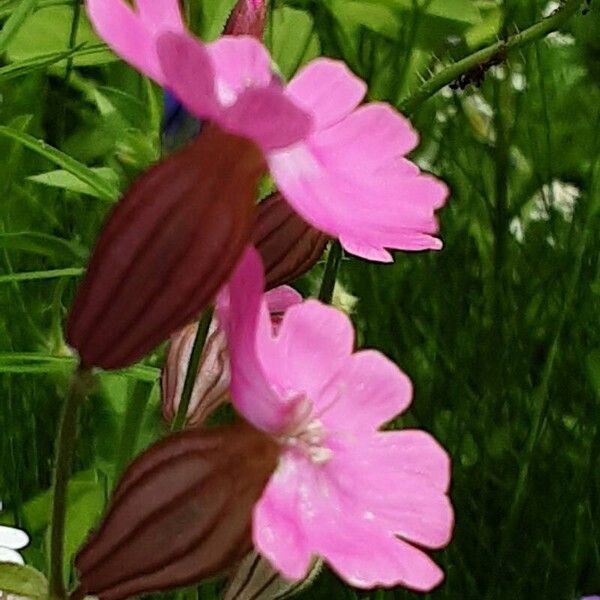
x=558 y=195
x=550 y=8
x=518 y=81
x=11 y=540
x=556 y=39
x=517 y=229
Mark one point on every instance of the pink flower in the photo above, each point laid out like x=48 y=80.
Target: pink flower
x=214 y=375
x=340 y=166
x=365 y=501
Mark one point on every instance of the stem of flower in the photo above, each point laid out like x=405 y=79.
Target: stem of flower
x=446 y=76
x=192 y=370
x=130 y=433
x=65 y=446
x=334 y=258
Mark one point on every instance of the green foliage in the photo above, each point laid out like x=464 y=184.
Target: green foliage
x=23 y=581
x=499 y=331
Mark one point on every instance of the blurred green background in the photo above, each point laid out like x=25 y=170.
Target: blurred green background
x=499 y=331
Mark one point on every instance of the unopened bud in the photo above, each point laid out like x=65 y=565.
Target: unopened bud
x=288 y=245
x=247 y=18
x=180 y=514
x=214 y=375
x=166 y=249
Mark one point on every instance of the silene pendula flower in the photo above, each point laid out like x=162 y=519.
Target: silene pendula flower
x=341 y=167
x=364 y=500
x=213 y=378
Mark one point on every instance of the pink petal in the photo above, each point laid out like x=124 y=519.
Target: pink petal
x=243 y=315
x=124 y=32
x=367 y=558
x=374 y=253
x=368 y=212
x=417 y=452
x=368 y=391
x=328 y=90
x=241 y=62
x=277 y=530
x=403 y=478
x=369 y=137
x=281 y=298
x=189 y=73
x=323 y=518
x=313 y=342
x=161 y=15
x=267 y=117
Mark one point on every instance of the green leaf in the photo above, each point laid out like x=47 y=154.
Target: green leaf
x=291 y=39
x=23 y=581
x=48 y=30
x=430 y=22
x=68 y=181
x=373 y=15
x=105 y=190
x=30 y=65
x=214 y=15
x=38 y=363
x=593 y=367
x=462 y=11
x=42 y=244
x=39 y=275
x=83 y=513
x=15 y=22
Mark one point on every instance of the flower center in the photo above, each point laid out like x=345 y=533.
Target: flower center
x=305 y=432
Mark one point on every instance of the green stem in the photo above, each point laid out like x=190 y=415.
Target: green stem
x=334 y=258
x=130 y=433
x=192 y=371
x=65 y=446
x=73 y=37
x=446 y=76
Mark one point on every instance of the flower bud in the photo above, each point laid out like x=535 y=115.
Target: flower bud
x=166 y=249
x=288 y=245
x=247 y=18
x=212 y=380
x=180 y=514
x=214 y=372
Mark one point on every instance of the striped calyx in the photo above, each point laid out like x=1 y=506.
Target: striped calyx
x=212 y=380
x=166 y=249
x=255 y=579
x=247 y=18
x=180 y=514
x=288 y=245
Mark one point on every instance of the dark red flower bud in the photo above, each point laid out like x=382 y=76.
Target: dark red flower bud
x=166 y=249
x=247 y=18
x=288 y=245
x=180 y=514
